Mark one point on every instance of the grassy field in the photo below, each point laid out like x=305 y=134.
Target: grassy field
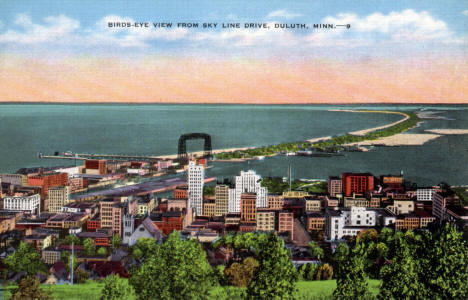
x=324 y=289
x=92 y=290
x=306 y=290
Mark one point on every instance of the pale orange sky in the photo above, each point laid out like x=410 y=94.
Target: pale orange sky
x=191 y=80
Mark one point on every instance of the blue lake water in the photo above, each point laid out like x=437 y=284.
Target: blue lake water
x=27 y=129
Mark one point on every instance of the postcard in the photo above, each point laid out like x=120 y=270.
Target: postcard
x=173 y=149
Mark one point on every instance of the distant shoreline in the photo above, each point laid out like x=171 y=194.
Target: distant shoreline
x=328 y=139
x=229 y=103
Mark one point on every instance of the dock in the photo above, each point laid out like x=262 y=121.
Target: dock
x=85 y=156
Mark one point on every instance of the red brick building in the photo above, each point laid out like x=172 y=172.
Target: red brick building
x=167 y=222
x=357 y=183
x=45 y=181
x=247 y=227
x=98 y=166
x=180 y=192
x=286 y=223
x=93 y=225
x=248 y=207
x=101 y=238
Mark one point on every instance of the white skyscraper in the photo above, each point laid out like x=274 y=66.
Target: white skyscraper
x=195 y=176
x=247 y=182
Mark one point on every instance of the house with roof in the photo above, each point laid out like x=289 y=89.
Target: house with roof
x=146 y=229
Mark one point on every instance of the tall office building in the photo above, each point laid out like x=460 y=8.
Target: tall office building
x=357 y=183
x=247 y=182
x=57 y=197
x=195 y=176
x=221 y=200
x=334 y=186
x=248 y=209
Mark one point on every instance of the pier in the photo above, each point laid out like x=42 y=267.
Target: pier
x=85 y=156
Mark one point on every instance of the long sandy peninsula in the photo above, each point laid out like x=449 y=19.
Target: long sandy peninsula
x=448 y=131
x=398 y=139
x=366 y=131
x=389 y=140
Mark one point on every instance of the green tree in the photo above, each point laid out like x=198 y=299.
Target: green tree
x=88 y=247
x=446 y=269
x=81 y=276
x=71 y=238
x=65 y=257
x=29 y=288
x=137 y=253
x=242 y=274
x=315 y=250
x=219 y=271
x=351 y=279
x=25 y=259
x=177 y=269
x=208 y=190
x=307 y=271
x=144 y=247
x=400 y=278
x=102 y=251
x=116 y=288
x=324 y=272
x=116 y=241
x=276 y=275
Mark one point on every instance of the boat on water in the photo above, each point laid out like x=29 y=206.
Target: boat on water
x=260 y=157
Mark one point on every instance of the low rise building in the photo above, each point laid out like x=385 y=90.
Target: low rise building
x=8 y=220
x=265 y=220
x=331 y=201
x=177 y=205
x=39 y=242
x=76 y=183
x=313 y=205
x=401 y=207
x=286 y=223
x=101 y=237
x=275 y=202
x=167 y=222
x=67 y=220
x=89 y=208
x=145 y=205
x=146 y=229
x=315 y=221
x=348 y=222
x=209 y=208
x=93 y=224
x=50 y=256
x=425 y=194
x=14 y=179
x=356 y=201
x=232 y=219
x=29 y=203
x=295 y=194
x=181 y=192
x=247 y=226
